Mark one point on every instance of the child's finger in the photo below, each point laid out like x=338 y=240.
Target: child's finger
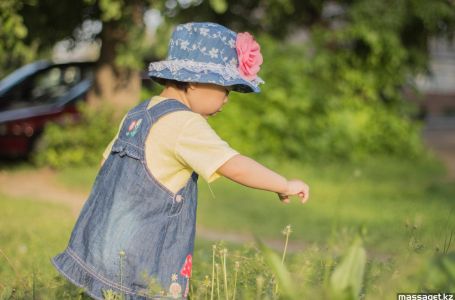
x=284 y=198
x=303 y=197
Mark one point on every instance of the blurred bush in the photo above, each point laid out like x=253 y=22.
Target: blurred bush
x=321 y=102
x=317 y=103
x=77 y=142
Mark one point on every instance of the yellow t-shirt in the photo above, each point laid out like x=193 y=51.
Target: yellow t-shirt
x=179 y=143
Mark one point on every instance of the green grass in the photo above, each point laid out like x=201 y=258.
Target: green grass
x=403 y=210
x=81 y=178
x=31 y=232
x=379 y=197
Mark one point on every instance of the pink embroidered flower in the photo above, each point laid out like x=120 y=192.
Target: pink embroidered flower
x=249 y=54
x=132 y=125
x=186 y=270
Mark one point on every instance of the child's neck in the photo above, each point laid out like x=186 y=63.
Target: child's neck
x=174 y=93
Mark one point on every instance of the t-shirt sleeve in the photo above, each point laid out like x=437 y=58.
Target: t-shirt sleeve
x=199 y=147
x=109 y=147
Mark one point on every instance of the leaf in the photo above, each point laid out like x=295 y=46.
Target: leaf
x=287 y=286
x=346 y=281
x=6 y=293
x=439 y=275
x=219 y=6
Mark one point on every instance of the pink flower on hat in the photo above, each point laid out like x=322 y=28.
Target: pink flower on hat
x=249 y=55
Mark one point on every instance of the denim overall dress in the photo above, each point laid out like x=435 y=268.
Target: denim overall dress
x=133 y=236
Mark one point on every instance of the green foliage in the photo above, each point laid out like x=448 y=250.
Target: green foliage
x=219 y=6
x=111 y=9
x=31 y=233
x=111 y=295
x=77 y=142
x=347 y=279
x=440 y=273
x=287 y=286
x=335 y=96
x=241 y=271
x=338 y=94
x=381 y=197
x=323 y=105
x=13 y=48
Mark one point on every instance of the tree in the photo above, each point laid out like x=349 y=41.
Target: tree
x=13 y=49
x=31 y=27
x=339 y=94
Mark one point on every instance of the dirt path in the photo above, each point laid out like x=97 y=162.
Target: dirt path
x=41 y=185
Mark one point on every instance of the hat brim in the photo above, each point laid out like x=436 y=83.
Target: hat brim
x=185 y=75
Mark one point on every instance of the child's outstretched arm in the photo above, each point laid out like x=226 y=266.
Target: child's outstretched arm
x=248 y=172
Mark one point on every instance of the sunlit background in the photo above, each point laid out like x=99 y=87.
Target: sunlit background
x=358 y=101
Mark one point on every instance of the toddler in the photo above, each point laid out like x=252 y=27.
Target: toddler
x=138 y=224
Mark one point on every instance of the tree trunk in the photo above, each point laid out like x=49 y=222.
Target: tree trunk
x=119 y=88
x=113 y=85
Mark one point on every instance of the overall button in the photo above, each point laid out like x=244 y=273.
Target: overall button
x=178 y=198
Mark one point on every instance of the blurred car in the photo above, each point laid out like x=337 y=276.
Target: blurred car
x=35 y=94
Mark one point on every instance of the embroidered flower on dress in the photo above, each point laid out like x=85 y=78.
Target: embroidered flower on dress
x=133 y=128
x=132 y=124
x=175 y=290
x=249 y=54
x=186 y=270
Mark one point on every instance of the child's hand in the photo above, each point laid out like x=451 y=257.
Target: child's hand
x=295 y=187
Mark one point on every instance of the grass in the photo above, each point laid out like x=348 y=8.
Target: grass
x=383 y=197
x=31 y=233
x=81 y=178
x=379 y=197
x=403 y=211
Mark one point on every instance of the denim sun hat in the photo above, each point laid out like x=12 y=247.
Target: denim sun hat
x=211 y=53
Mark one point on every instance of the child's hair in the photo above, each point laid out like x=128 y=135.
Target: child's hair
x=181 y=85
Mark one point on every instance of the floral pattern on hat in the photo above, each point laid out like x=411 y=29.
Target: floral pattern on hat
x=211 y=53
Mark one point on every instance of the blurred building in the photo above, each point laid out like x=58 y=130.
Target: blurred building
x=438 y=103
x=438 y=87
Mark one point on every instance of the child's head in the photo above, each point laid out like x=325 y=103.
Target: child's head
x=209 y=59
